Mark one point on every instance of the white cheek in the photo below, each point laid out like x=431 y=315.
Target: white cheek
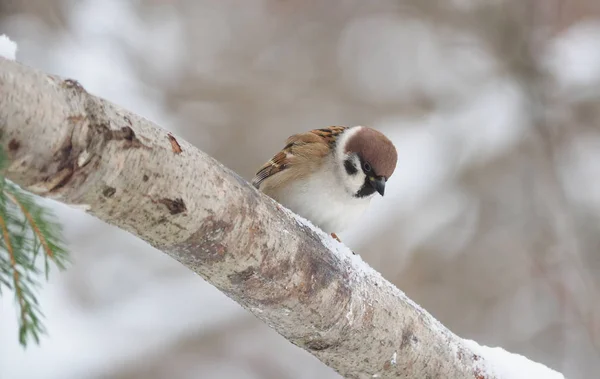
x=354 y=183
x=357 y=181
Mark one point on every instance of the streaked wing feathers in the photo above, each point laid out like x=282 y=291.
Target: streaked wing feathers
x=329 y=134
x=299 y=149
x=272 y=167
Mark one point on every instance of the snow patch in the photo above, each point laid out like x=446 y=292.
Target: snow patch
x=80 y=207
x=8 y=48
x=500 y=363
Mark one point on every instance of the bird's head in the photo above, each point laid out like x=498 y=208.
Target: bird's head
x=367 y=159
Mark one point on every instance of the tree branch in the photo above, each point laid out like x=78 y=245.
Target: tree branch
x=68 y=145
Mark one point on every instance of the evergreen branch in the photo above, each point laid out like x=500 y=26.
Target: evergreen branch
x=34 y=225
x=26 y=229
x=15 y=272
x=46 y=230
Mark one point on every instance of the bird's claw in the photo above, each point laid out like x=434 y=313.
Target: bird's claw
x=339 y=240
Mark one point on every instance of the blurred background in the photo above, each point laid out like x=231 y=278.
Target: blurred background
x=491 y=221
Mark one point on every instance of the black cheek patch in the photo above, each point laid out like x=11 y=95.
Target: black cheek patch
x=350 y=168
x=366 y=189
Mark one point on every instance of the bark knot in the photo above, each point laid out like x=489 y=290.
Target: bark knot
x=14 y=145
x=318 y=344
x=125 y=134
x=73 y=84
x=109 y=191
x=175 y=206
x=241 y=276
x=408 y=337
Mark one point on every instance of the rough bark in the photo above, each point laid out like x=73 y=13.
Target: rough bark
x=66 y=144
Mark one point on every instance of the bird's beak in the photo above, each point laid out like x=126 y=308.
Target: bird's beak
x=379 y=184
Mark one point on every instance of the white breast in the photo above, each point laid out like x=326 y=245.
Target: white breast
x=323 y=200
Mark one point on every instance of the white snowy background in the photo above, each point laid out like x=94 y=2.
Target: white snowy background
x=491 y=221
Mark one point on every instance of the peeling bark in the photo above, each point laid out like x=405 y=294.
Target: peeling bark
x=68 y=145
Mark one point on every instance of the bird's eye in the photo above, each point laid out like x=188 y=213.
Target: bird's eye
x=366 y=167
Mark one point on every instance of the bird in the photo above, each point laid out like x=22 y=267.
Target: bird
x=329 y=175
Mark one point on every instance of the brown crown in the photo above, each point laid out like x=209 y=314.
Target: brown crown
x=375 y=148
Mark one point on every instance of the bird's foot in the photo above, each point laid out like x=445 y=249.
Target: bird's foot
x=339 y=240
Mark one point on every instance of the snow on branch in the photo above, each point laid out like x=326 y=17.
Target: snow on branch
x=66 y=144
x=8 y=48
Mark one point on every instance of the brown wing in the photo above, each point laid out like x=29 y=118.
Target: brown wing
x=298 y=150
x=273 y=166
x=329 y=134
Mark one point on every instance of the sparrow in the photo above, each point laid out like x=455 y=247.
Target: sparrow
x=329 y=175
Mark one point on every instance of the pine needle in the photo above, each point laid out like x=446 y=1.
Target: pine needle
x=26 y=229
